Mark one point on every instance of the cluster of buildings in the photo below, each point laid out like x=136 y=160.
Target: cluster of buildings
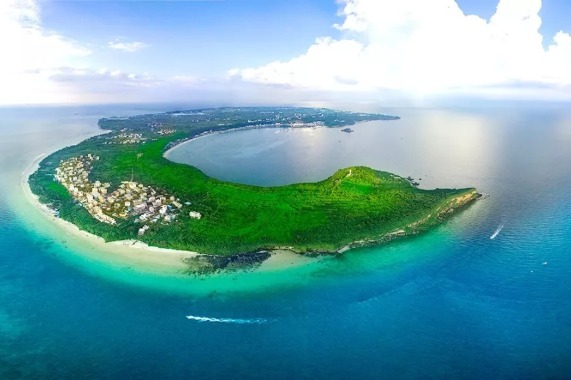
x=301 y=124
x=73 y=174
x=154 y=125
x=130 y=199
x=126 y=138
x=166 y=131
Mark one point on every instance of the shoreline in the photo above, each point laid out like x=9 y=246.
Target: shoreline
x=152 y=258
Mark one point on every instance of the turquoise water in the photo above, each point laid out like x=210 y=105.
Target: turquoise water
x=450 y=303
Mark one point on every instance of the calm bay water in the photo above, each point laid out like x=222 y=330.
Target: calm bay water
x=452 y=302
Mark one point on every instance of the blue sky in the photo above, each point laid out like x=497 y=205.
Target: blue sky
x=195 y=37
x=279 y=51
x=555 y=14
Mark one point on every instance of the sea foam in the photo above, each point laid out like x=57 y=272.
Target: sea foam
x=497 y=231
x=250 y=321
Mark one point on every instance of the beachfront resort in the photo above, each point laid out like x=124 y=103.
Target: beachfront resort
x=130 y=200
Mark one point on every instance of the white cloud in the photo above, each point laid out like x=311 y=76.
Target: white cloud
x=29 y=54
x=426 y=47
x=42 y=66
x=102 y=78
x=128 y=47
x=105 y=86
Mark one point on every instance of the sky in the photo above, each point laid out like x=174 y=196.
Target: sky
x=299 y=52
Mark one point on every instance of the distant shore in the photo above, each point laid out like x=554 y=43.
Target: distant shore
x=179 y=143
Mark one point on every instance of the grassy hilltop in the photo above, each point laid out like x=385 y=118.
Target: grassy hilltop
x=354 y=206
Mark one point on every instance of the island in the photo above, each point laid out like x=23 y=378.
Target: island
x=119 y=186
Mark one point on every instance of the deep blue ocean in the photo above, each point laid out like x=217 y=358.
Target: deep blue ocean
x=451 y=303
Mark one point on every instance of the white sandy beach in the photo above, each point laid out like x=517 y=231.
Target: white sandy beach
x=131 y=251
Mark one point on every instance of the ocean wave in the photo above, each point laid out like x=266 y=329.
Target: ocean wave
x=249 y=321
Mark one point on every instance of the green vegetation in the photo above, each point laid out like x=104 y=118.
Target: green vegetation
x=355 y=204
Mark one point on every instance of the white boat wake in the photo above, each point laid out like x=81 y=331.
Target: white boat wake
x=251 y=321
x=497 y=231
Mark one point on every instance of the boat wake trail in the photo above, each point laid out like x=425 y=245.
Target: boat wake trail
x=497 y=231
x=251 y=321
